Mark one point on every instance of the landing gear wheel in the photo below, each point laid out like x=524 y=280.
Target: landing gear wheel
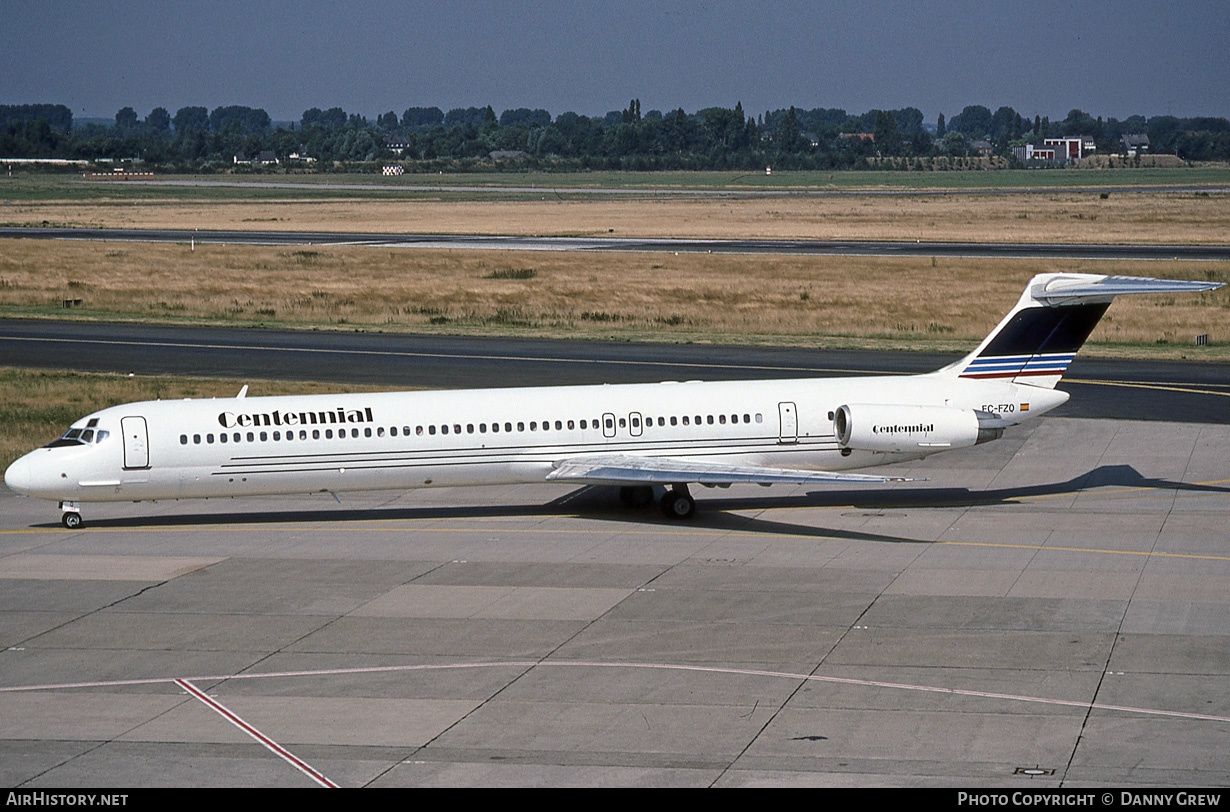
x=71 y=520
x=676 y=505
x=636 y=496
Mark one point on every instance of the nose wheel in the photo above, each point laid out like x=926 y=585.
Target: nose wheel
x=71 y=517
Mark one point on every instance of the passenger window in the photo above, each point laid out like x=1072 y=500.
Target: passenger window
x=183 y=439
x=354 y=433
x=196 y=439
x=623 y=422
x=456 y=428
x=508 y=427
x=721 y=419
x=444 y=429
x=571 y=425
x=469 y=428
x=393 y=431
x=367 y=432
x=583 y=426
x=418 y=430
x=379 y=431
x=264 y=436
x=222 y=437
x=686 y=422
x=533 y=425
x=710 y=420
x=559 y=426
x=747 y=418
x=759 y=417
x=431 y=429
x=251 y=437
x=209 y=438
x=520 y=426
x=675 y=421
x=315 y=434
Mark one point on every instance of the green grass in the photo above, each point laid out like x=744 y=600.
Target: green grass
x=31 y=187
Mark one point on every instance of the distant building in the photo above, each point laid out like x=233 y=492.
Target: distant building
x=1074 y=147
x=262 y=158
x=1135 y=144
x=301 y=154
x=1033 y=156
x=983 y=148
x=396 y=143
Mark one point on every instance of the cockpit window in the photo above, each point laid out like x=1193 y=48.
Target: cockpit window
x=86 y=436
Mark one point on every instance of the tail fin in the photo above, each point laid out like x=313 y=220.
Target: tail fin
x=1038 y=339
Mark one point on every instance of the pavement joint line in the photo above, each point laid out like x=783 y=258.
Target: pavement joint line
x=184 y=682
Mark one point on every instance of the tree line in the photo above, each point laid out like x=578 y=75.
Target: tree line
x=196 y=139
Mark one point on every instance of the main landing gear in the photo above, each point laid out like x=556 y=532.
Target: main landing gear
x=676 y=503
x=71 y=515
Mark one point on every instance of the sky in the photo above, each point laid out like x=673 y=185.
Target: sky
x=1044 y=57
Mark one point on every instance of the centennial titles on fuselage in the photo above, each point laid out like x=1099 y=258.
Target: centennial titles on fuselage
x=231 y=420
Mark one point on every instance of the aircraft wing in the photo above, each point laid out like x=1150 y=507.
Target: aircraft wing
x=620 y=469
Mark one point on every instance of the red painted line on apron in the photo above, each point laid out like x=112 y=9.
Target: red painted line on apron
x=269 y=744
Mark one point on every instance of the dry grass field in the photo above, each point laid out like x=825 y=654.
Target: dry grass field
x=1072 y=217
x=894 y=302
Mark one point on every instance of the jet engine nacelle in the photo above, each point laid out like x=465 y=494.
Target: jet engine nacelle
x=882 y=427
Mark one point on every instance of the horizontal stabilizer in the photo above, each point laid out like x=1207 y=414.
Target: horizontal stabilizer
x=1064 y=289
x=619 y=469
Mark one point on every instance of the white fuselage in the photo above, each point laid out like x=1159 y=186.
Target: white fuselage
x=400 y=440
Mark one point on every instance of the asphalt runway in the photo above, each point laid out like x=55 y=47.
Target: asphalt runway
x=513 y=243
x=1170 y=391
x=1047 y=610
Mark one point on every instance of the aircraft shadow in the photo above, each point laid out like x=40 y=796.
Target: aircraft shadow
x=597 y=502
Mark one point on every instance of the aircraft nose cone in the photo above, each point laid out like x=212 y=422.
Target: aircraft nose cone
x=18 y=476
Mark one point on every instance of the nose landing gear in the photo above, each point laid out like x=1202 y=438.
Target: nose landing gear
x=70 y=516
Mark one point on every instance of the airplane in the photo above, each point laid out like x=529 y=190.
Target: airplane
x=634 y=436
